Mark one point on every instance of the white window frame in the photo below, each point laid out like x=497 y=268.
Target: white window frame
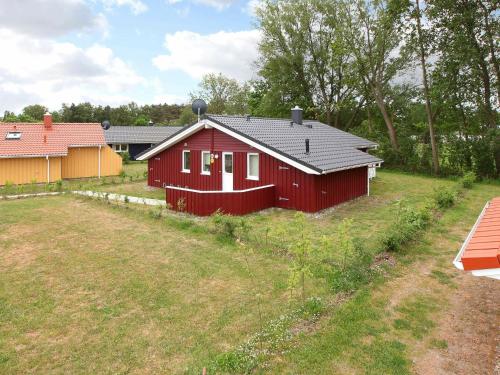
x=249 y=177
x=118 y=147
x=183 y=163
x=13 y=135
x=203 y=163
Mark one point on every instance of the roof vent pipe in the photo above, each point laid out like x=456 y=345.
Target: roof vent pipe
x=307 y=145
x=297 y=115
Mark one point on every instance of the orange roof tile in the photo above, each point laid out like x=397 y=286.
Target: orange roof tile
x=36 y=140
x=482 y=251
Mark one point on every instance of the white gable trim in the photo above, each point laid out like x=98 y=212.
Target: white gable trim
x=210 y=124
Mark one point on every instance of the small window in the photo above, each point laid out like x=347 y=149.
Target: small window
x=205 y=162
x=253 y=166
x=186 y=161
x=13 y=135
x=121 y=147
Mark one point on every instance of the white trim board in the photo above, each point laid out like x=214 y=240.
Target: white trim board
x=209 y=124
x=217 y=191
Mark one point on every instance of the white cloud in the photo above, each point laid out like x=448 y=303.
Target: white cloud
x=53 y=18
x=252 y=6
x=217 y=4
x=50 y=73
x=230 y=53
x=137 y=6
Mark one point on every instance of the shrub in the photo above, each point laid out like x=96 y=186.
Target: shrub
x=58 y=185
x=444 y=198
x=230 y=226
x=409 y=222
x=468 y=180
x=125 y=157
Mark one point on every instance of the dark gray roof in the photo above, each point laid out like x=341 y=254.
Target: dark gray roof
x=139 y=134
x=330 y=148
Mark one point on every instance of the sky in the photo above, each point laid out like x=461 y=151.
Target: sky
x=112 y=52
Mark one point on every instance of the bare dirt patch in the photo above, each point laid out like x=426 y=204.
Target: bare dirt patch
x=471 y=329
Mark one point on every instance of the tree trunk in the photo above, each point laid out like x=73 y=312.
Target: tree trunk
x=491 y=46
x=428 y=108
x=379 y=99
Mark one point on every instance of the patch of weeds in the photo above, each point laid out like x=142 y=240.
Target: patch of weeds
x=4 y=358
x=230 y=227
x=439 y=344
x=468 y=180
x=415 y=316
x=386 y=357
x=442 y=277
x=409 y=222
x=274 y=338
x=444 y=198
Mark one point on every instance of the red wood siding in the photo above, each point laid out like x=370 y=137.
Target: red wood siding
x=338 y=187
x=294 y=189
x=235 y=203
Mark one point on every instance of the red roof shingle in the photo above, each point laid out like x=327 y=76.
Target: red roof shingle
x=36 y=140
x=483 y=249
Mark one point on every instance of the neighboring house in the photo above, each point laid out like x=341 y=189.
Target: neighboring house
x=480 y=253
x=136 y=139
x=241 y=164
x=47 y=152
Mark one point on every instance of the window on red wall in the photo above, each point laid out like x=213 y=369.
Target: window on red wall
x=186 y=161
x=253 y=166
x=205 y=162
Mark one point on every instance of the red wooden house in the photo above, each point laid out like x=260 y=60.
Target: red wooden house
x=241 y=164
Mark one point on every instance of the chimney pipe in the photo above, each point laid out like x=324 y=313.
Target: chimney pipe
x=47 y=120
x=297 y=115
x=307 y=145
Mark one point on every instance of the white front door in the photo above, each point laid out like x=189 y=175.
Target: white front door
x=227 y=171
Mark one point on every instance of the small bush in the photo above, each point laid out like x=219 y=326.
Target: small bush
x=408 y=223
x=125 y=157
x=468 y=180
x=444 y=198
x=58 y=186
x=230 y=226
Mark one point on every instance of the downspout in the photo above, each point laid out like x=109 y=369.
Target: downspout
x=99 y=166
x=368 y=181
x=48 y=169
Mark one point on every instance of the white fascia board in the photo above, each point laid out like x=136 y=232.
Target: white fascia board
x=179 y=137
x=218 y=191
x=209 y=124
x=494 y=273
x=258 y=146
x=457 y=262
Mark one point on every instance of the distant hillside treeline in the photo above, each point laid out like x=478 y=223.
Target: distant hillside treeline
x=130 y=114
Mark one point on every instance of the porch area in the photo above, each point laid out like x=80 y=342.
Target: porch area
x=205 y=203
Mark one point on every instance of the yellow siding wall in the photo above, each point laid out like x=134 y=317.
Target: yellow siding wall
x=84 y=161
x=28 y=170
x=80 y=162
x=111 y=162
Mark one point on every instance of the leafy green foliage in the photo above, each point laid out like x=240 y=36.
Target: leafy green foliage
x=231 y=227
x=468 y=180
x=409 y=222
x=444 y=198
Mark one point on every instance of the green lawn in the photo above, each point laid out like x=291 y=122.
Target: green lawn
x=87 y=287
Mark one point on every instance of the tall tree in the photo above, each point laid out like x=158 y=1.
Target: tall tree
x=223 y=95
x=304 y=58
x=35 y=111
x=372 y=34
x=422 y=47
